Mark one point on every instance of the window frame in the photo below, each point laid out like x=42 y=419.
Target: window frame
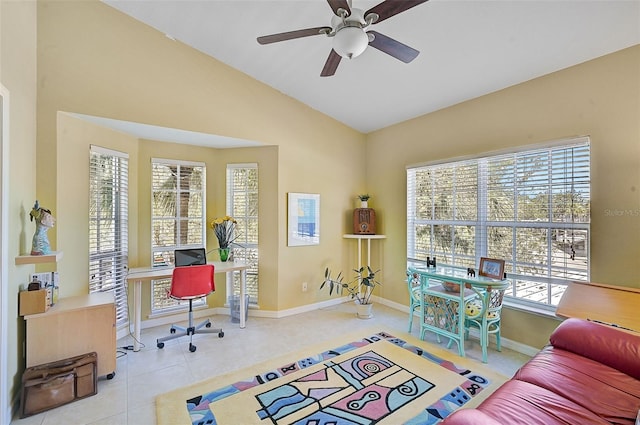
x=119 y=236
x=482 y=224
x=242 y=251
x=159 y=286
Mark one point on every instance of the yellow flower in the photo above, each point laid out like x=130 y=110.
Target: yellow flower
x=224 y=229
x=220 y=220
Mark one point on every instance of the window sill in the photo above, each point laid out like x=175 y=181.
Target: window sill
x=549 y=312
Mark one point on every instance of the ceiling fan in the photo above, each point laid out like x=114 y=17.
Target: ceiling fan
x=349 y=31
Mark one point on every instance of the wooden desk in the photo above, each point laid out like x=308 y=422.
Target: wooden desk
x=137 y=275
x=616 y=305
x=75 y=326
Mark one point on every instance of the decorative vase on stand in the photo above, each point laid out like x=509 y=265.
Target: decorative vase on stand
x=224 y=253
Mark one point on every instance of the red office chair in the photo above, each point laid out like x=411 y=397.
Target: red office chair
x=189 y=283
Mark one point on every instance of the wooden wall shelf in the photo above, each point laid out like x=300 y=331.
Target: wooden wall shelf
x=54 y=257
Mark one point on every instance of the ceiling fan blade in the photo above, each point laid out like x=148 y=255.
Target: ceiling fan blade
x=392 y=47
x=273 y=38
x=331 y=64
x=339 y=4
x=389 y=8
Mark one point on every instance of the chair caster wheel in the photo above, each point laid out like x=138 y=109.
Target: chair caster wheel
x=111 y=375
x=192 y=348
x=208 y=325
x=220 y=335
x=160 y=345
x=172 y=330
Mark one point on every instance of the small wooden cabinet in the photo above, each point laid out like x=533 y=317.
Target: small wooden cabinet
x=74 y=326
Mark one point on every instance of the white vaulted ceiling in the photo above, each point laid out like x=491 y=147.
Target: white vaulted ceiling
x=467 y=48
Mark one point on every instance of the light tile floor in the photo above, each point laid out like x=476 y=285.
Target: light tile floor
x=129 y=398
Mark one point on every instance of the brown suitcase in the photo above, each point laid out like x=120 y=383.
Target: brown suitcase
x=54 y=384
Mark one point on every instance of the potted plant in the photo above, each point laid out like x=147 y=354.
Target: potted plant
x=224 y=229
x=364 y=200
x=359 y=289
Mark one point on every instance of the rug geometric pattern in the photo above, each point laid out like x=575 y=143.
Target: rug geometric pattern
x=360 y=390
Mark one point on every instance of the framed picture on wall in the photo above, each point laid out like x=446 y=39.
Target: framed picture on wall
x=490 y=267
x=303 y=227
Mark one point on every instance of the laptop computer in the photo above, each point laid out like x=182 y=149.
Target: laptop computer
x=190 y=257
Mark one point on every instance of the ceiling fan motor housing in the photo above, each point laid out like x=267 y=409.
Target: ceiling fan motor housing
x=350 y=39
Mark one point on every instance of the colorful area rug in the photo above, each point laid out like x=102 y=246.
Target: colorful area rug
x=378 y=378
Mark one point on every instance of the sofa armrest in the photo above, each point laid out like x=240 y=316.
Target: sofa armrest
x=602 y=343
x=469 y=417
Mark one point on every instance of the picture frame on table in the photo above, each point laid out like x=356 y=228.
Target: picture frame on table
x=491 y=268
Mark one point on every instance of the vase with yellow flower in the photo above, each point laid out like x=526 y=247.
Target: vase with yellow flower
x=224 y=229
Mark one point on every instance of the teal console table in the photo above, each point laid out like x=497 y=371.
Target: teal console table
x=443 y=312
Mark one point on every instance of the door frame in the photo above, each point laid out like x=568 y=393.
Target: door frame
x=5 y=406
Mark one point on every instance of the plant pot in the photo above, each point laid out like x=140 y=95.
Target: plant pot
x=224 y=253
x=364 y=204
x=364 y=311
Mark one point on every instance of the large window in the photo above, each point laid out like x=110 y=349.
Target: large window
x=178 y=220
x=242 y=204
x=108 y=226
x=530 y=208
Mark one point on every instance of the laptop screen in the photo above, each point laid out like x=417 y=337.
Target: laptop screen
x=190 y=257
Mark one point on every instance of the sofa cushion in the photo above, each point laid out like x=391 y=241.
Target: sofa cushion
x=590 y=375
x=470 y=417
x=605 y=391
x=519 y=402
x=602 y=343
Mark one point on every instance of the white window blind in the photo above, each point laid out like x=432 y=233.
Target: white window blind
x=108 y=226
x=530 y=208
x=242 y=204
x=178 y=219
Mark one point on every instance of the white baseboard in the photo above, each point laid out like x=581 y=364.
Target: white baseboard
x=168 y=319
x=519 y=347
x=297 y=310
x=172 y=318
x=505 y=342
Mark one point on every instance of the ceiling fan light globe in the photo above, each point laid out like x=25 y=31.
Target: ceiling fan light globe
x=350 y=42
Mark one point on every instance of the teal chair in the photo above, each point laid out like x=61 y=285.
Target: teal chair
x=487 y=323
x=414 y=283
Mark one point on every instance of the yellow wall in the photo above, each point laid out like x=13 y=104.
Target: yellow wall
x=600 y=98
x=270 y=208
x=92 y=59
x=215 y=161
x=18 y=76
x=95 y=60
x=75 y=138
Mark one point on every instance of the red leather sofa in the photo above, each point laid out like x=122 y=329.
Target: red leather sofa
x=588 y=374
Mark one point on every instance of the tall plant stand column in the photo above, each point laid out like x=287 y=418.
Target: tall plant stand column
x=361 y=238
